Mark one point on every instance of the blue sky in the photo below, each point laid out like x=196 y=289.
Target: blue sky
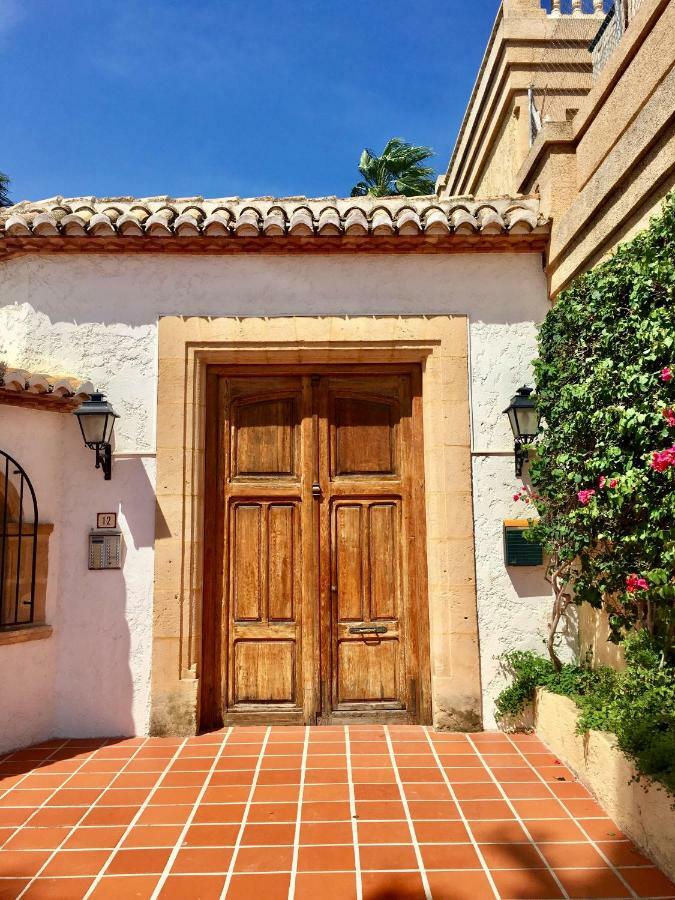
x=227 y=97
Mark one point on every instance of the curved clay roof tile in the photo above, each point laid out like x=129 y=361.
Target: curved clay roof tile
x=356 y=222
x=45 y=225
x=381 y=222
x=435 y=221
x=301 y=222
x=100 y=225
x=329 y=222
x=216 y=224
x=274 y=222
x=186 y=225
x=463 y=222
x=407 y=221
x=17 y=226
x=248 y=223
x=520 y=220
x=73 y=224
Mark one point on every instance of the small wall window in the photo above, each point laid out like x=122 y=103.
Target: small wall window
x=21 y=591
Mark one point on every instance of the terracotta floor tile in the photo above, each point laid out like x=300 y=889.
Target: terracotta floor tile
x=267 y=886
x=139 y=862
x=165 y=815
x=75 y=862
x=273 y=812
x=450 y=856
x=567 y=790
x=539 y=809
x=132 y=887
x=649 y=882
x=332 y=761
x=184 y=779
x=602 y=829
x=93 y=780
x=37 y=838
x=325 y=812
x=226 y=793
x=463 y=776
x=552 y=774
x=387 y=857
x=14 y=816
x=94 y=838
x=330 y=832
x=326 y=776
x=571 y=856
x=426 y=791
x=584 y=808
x=392 y=886
x=19 y=797
x=526 y=884
x=459 y=886
x=429 y=809
x=152 y=836
x=483 y=791
x=441 y=833
x=331 y=858
x=282 y=793
x=503 y=759
x=68 y=797
x=421 y=775
x=587 y=883
x=287 y=777
x=451 y=760
x=327 y=885
x=383 y=832
x=377 y=791
x=269 y=834
x=511 y=856
x=10 y=888
x=480 y=810
x=623 y=853
x=123 y=797
x=373 y=776
x=264 y=859
x=376 y=760
x=326 y=792
x=192 y=887
x=526 y=790
x=203 y=860
x=222 y=813
x=513 y=774
x=380 y=810
x=174 y=796
x=58 y=888
x=501 y=832
x=21 y=863
x=554 y=830
x=211 y=835
x=110 y=815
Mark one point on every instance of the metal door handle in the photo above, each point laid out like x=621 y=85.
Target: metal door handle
x=367 y=629
x=316 y=490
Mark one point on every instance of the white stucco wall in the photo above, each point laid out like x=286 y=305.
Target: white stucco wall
x=96 y=316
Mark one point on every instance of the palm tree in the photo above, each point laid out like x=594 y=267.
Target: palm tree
x=397 y=171
x=4 y=190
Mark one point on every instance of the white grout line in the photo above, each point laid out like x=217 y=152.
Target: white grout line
x=298 y=819
x=247 y=809
x=520 y=820
x=352 y=812
x=580 y=826
x=181 y=837
x=464 y=819
x=114 y=850
x=411 y=827
x=83 y=816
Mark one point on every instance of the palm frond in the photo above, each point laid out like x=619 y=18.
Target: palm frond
x=397 y=170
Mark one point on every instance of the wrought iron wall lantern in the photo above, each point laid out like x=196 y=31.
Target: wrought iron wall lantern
x=97 y=420
x=524 y=421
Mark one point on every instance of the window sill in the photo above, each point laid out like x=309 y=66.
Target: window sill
x=25 y=633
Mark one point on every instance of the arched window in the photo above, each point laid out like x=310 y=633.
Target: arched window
x=18 y=545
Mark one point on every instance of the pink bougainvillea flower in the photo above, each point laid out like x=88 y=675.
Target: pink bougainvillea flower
x=613 y=483
x=663 y=459
x=635 y=583
x=666 y=374
x=516 y=496
x=669 y=416
x=602 y=481
x=584 y=497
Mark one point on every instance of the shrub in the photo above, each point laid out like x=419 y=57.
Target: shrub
x=636 y=704
x=603 y=472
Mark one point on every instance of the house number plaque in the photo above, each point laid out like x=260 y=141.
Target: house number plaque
x=106 y=520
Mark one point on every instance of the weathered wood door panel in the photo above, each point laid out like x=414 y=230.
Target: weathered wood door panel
x=323 y=607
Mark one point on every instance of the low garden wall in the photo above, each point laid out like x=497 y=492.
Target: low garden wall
x=643 y=810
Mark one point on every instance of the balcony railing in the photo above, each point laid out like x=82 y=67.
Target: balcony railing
x=611 y=31
x=575 y=7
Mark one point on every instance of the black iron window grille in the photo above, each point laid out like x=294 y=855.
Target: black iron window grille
x=18 y=544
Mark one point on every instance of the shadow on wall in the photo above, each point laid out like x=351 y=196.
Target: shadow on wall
x=104 y=620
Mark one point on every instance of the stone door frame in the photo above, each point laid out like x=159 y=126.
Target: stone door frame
x=187 y=347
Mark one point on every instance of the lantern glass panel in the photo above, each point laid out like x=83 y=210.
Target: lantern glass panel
x=528 y=421
x=94 y=427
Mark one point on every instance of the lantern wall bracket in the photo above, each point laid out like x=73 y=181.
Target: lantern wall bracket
x=104 y=460
x=521 y=456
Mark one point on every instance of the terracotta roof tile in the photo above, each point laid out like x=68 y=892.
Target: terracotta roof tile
x=398 y=218
x=35 y=389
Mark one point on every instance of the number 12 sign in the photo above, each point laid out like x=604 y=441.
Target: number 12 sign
x=106 y=520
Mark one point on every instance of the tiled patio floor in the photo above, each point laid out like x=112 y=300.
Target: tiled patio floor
x=368 y=811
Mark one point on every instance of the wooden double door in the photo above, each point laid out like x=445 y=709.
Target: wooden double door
x=315 y=604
